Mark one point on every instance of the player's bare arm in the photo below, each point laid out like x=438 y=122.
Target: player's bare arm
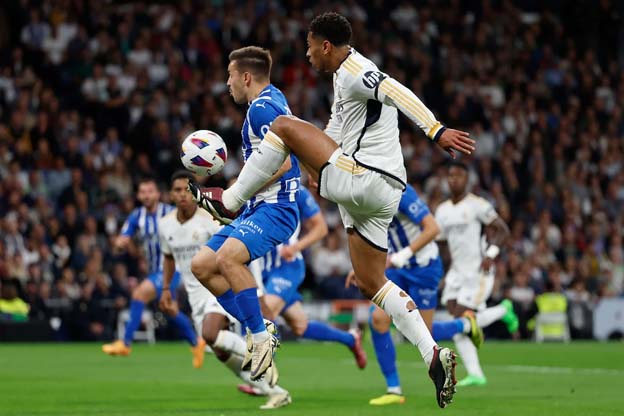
x=166 y=303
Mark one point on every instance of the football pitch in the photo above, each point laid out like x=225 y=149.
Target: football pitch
x=524 y=379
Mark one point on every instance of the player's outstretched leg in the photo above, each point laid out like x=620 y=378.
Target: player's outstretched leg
x=379 y=323
x=321 y=331
x=369 y=266
x=288 y=135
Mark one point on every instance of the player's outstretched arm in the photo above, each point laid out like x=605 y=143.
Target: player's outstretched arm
x=428 y=233
x=381 y=87
x=316 y=230
x=166 y=300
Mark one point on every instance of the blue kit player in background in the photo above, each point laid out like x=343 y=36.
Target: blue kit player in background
x=143 y=224
x=270 y=216
x=283 y=271
x=415 y=266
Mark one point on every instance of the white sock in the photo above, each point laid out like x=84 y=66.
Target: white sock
x=402 y=309
x=395 y=390
x=260 y=337
x=230 y=342
x=490 y=315
x=259 y=168
x=235 y=362
x=468 y=353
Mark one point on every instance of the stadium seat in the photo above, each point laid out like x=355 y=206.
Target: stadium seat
x=147 y=319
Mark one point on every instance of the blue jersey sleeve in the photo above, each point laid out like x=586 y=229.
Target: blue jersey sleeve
x=412 y=206
x=307 y=204
x=261 y=114
x=131 y=225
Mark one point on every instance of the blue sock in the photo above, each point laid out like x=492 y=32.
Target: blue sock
x=386 y=356
x=444 y=330
x=324 y=332
x=249 y=306
x=184 y=324
x=136 y=312
x=228 y=301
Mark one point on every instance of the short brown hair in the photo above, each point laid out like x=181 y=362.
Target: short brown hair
x=253 y=59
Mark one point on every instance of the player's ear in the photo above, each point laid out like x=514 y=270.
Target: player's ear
x=327 y=47
x=247 y=78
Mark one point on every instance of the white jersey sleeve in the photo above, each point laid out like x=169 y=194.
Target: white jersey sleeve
x=440 y=220
x=485 y=211
x=379 y=86
x=333 y=127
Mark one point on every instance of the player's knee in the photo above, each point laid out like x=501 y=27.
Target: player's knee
x=210 y=335
x=200 y=267
x=299 y=328
x=281 y=125
x=225 y=260
x=140 y=294
x=380 y=321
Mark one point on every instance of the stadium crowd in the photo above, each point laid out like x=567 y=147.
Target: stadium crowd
x=96 y=94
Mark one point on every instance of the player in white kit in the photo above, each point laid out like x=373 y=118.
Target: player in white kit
x=358 y=164
x=182 y=233
x=468 y=283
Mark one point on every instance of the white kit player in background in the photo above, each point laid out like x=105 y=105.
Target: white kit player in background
x=182 y=233
x=468 y=283
x=357 y=164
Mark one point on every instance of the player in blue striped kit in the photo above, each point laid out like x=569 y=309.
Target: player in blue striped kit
x=143 y=224
x=416 y=267
x=270 y=217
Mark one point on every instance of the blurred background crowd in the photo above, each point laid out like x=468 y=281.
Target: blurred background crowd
x=96 y=94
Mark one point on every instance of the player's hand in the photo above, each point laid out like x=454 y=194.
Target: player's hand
x=452 y=140
x=401 y=258
x=288 y=253
x=487 y=264
x=350 y=280
x=166 y=302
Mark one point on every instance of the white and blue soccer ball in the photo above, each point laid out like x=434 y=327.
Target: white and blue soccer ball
x=204 y=153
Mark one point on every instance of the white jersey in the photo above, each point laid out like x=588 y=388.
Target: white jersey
x=461 y=225
x=364 y=119
x=184 y=240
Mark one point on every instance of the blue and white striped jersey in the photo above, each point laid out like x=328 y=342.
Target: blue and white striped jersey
x=262 y=111
x=307 y=209
x=405 y=227
x=144 y=226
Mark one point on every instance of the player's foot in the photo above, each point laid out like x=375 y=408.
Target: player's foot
x=271 y=329
x=116 y=348
x=210 y=199
x=250 y=390
x=357 y=350
x=442 y=373
x=476 y=333
x=472 y=381
x=386 y=399
x=276 y=401
x=510 y=319
x=262 y=359
x=198 y=353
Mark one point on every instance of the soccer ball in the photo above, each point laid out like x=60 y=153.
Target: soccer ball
x=203 y=153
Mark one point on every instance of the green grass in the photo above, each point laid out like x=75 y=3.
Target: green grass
x=524 y=379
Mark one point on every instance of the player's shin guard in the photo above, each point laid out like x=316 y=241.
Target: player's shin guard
x=136 y=312
x=258 y=169
x=402 y=309
x=228 y=302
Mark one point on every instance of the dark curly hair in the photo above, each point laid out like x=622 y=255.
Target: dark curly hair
x=331 y=26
